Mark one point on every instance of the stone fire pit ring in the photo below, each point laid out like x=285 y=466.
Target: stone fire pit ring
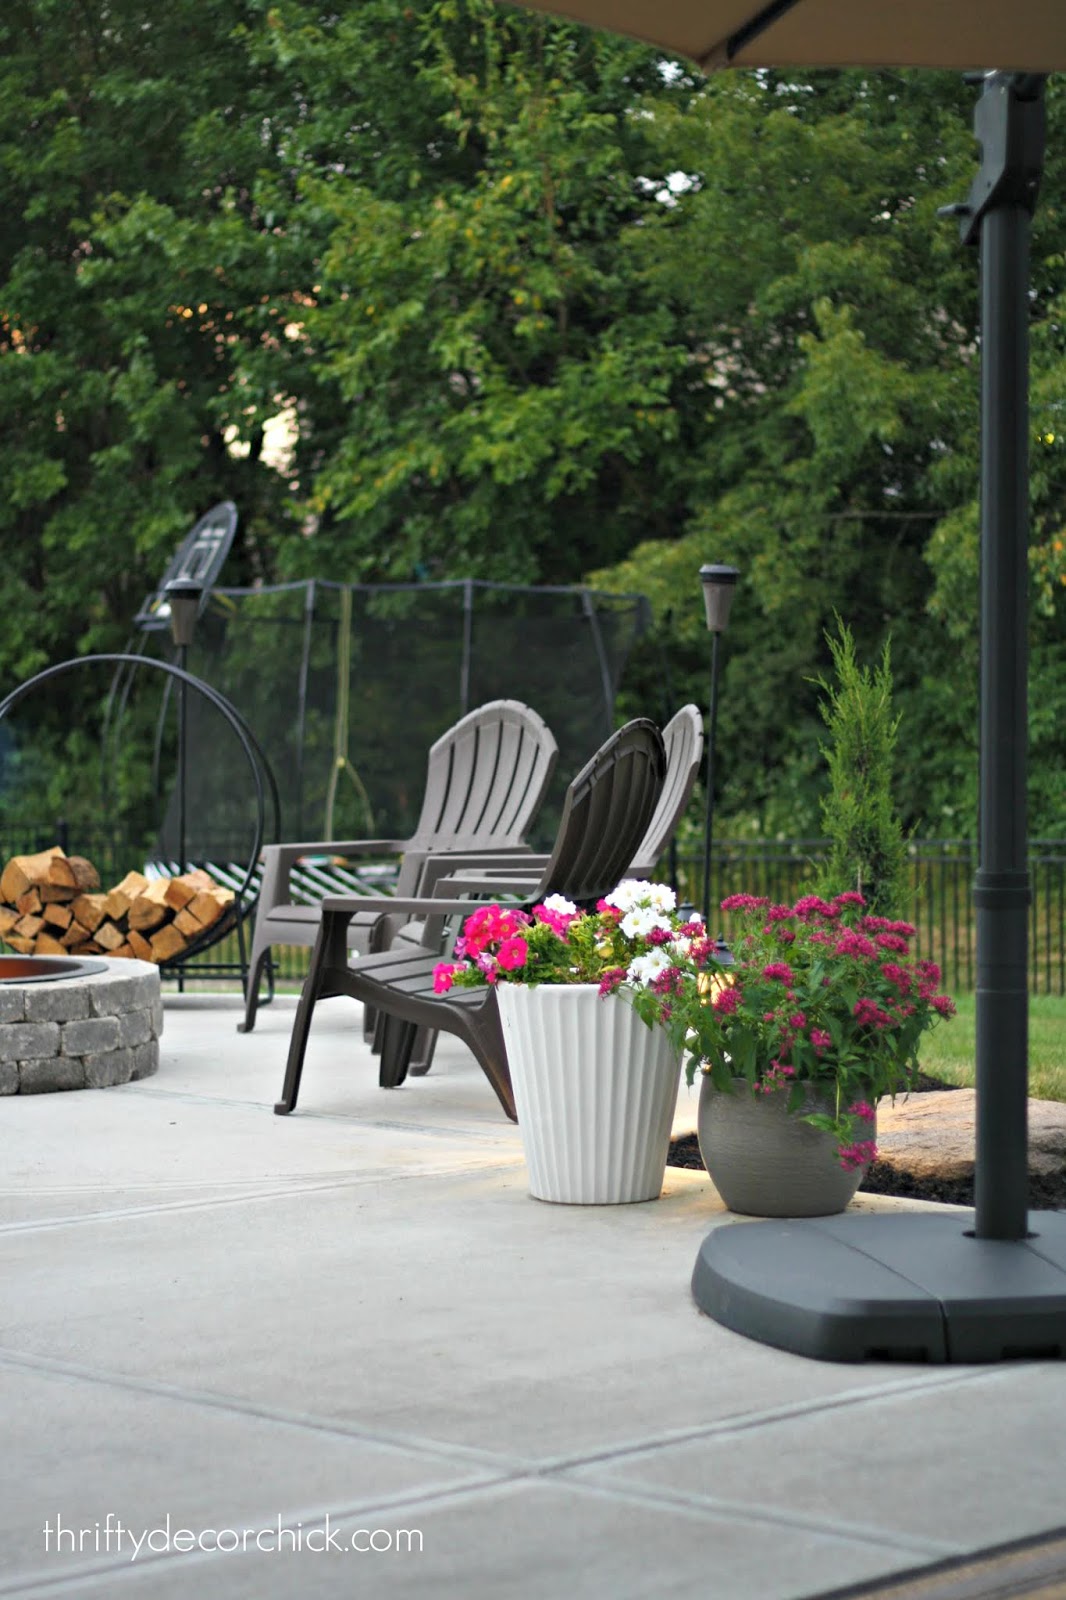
x=77 y=1024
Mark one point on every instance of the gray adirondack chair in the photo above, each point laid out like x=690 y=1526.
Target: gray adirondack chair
x=485 y=779
x=606 y=813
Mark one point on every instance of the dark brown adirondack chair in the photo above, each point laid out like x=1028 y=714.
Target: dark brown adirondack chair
x=683 y=738
x=606 y=813
x=485 y=780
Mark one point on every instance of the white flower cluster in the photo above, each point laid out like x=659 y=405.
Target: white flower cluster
x=560 y=905
x=636 y=893
x=646 y=907
x=645 y=969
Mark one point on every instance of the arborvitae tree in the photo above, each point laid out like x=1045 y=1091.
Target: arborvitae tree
x=868 y=851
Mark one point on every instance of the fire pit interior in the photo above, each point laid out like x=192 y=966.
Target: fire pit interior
x=67 y=1022
x=38 y=969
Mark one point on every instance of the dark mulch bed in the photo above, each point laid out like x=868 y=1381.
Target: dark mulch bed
x=1047 y=1191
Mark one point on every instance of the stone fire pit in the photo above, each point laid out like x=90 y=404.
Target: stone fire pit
x=67 y=1023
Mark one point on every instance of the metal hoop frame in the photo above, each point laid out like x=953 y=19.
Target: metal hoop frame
x=262 y=773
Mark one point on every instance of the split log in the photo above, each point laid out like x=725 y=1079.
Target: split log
x=29 y=927
x=89 y=910
x=180 y=891
x=8 y=919
x=45 y=945
x=119 y=899
x=58 y=916
x=86 y=876
x=209 y=905
x=55 y=893
x=145 y=914
x=139 y=945
x=75 y=937
x=24 y=947
x=61 y=873
x=166 y=943
x=28 y=904
x=26 y=872
x=108 y=937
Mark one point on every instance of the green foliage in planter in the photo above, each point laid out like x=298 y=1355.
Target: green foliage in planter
x=868 y=851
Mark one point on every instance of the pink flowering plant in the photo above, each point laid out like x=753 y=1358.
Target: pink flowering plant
x=634 y=939
x=819 y=993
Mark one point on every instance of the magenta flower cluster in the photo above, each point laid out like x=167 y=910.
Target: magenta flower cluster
x=823 y=993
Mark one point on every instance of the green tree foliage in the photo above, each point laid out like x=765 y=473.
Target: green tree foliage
x=536 y=305
x=506 y=367
x=867 y=850
x=832 y=428
x=141 y=278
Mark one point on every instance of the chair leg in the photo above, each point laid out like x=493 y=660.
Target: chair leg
x=422 y=1054
x=251 y=997
x=486 y=1041
x=397 y=1041
x=318 y=985
x=294 y=1066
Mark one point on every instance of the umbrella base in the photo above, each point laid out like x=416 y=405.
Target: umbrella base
x=908 y=1287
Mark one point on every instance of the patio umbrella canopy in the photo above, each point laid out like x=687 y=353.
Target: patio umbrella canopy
x=964 y=34
x=931 y=1288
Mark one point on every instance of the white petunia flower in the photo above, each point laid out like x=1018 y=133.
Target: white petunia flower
x=643 y=969
x=662 y=897
x=629 y=895
x=680 y=948
x=639 y=923
x=560 y=905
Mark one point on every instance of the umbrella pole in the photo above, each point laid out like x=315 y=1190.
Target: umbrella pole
x=1009 y=123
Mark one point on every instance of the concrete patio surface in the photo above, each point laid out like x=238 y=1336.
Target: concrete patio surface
x=217 y=1319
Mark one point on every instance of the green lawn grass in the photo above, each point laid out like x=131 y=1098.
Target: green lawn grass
x=947 y=1051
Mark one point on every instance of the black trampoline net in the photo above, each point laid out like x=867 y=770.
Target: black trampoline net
x=346 y=687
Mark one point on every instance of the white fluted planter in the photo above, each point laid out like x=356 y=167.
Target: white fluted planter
x=595 y=1090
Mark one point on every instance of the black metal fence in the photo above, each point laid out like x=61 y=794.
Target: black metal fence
x=941 y=903
x=942 y=874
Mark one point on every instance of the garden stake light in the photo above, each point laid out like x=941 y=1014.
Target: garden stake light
x=719 y=586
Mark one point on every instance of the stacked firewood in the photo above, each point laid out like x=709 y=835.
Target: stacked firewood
x=52 y=904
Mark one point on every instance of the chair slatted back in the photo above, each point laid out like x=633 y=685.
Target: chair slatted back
x=683 y=738
x=485 y=779
x=607 y=811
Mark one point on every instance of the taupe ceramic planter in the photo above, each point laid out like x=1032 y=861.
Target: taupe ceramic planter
x=765 y=1161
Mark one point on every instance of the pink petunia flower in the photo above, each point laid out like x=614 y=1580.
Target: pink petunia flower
x=512 y=953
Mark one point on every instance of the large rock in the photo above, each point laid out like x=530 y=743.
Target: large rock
x=932 y=1135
